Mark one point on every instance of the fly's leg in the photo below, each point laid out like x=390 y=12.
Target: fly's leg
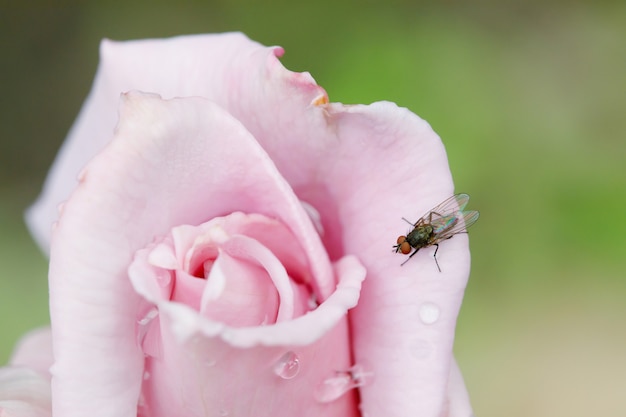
x=430 y=216
x=435 y=255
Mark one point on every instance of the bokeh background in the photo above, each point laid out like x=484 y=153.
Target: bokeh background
x=529 y=98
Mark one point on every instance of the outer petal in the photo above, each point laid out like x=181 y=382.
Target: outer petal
x=34 y=351
x=363 y=168
x=24 y=393
x=168 y=164
x=25 y=384
x=198 y=65
x=459 y=404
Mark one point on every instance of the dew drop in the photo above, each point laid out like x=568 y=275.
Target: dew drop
x=223 y=413
x=334 y=387
x=287 y=366
x=150 y=315
x=81 y=175
x=61 y=207
x=142 y=406
x=143 y=326
x=429 y=313
x=163 y=278
x=146 y=376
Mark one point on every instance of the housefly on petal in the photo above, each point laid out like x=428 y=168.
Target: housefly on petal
x=441 y=223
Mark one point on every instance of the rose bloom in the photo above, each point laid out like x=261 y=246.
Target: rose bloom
x=220 y=240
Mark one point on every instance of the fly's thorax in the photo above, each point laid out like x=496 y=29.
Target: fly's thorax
x=420 y=236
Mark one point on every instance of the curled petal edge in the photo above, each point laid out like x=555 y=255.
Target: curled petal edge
x=301 y=331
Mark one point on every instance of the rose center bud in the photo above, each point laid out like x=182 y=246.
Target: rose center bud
x=239 y=270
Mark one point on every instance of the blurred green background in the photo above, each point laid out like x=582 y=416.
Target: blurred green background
x=529 y=98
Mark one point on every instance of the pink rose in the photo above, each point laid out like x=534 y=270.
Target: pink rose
x=227 y=248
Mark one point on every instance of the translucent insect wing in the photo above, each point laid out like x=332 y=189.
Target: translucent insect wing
x=440 y=224
x=451 y=205
x=468 y=219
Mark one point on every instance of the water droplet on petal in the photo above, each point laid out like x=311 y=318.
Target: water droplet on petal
x=150 y=315
x=143 y=326
x=429 y=313
x=223 y=413
x=146 y=376
x=164 y=277
x=334 y=387
x=142 y=406
x=60 y=207
x=287 y=366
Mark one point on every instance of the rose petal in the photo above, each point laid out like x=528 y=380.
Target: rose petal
x=34 y=350
x=359 y=219
x=459 y=403
x=388 y=323
x=25 y=385
x=248 y=297
x=139 y=187
x=202 y=65
x=24 y=393
x=204 y=375
x=298 y=332
x=401 y=171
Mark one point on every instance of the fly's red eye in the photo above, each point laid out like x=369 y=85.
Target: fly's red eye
x=405 y=248
x=401 y=240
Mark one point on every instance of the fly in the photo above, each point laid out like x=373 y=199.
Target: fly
x=441 y=223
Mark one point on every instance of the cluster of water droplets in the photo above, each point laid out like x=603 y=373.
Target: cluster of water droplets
x=331 y=388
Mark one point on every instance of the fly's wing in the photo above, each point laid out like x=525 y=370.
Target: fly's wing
x=450 y=225
x=449 y=206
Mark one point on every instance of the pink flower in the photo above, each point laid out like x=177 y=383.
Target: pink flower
x=227 y=248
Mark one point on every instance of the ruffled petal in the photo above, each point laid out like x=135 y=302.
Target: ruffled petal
x=209 y=369
x=211 y=66
x=170 y=163
x=34 y=350
x=24 y=393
